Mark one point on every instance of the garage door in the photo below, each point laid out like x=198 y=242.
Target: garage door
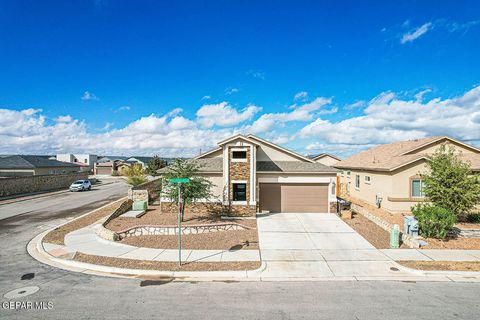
x=294 y=197
x=104 y=170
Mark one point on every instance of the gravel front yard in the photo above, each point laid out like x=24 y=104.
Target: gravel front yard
x=155 y=217
x=442 y=265
x=453 y=243
x=167 y=266
x=378 y=237
x=222 y=240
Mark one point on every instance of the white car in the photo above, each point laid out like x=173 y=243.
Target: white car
x=81 y=185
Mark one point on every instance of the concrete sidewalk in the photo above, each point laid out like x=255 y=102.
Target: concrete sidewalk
x=86 y=240
x=293 y=247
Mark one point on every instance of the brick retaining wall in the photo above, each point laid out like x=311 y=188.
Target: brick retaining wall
x=30 y=184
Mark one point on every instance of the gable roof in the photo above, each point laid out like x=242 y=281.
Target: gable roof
x=235 y=137
x=276 y=146
x=321 y=155
x=142 y=159
x=31 y=162
x=392 y=156
x=256 y=141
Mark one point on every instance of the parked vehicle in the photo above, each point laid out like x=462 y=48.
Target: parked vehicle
x=81 y=185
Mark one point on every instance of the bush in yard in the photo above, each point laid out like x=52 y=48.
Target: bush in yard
x=135 y=175
x=434 y=221
x=450 y=183
x=198 y=188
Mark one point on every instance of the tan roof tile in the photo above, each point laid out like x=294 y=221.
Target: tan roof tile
x=390 y=156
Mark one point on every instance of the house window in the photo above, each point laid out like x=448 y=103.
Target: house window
x=367 y=179
x=348 y=173
x=334 y=188
x=357 y=181
x=239 y=154
x=239 y=192
x=417 y=188
x=85 y=161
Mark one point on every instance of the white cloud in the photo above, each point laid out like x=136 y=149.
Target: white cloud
x=224 y=115
x=231 y=90
x=385 y=118
x=123 y=108
x=300 y=96
x=259 y=74
x=64 y=119
x=416 y=33
x=419 y=96
x=302 y=112
x=388 y=119
x=87 y=95
x=206 y=97
x=355 y=105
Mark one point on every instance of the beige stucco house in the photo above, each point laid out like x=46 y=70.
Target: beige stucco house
x=253 y=175
x=30 y=165
x=388 y=174
x=326 y=159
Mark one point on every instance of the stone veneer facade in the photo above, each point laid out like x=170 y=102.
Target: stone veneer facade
x=240 y=171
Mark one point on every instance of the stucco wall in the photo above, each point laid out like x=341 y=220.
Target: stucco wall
x=30 y=184
x=217 y=189
x=394 y=185
x=327 y=160
x=267 y=153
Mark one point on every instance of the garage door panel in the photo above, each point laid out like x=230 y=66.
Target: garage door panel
x=294 y=197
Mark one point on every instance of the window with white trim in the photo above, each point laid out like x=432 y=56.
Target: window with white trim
x=417 y=188
x=239 y=192
x=357 y=181
x=367 y=179
x=239 y=154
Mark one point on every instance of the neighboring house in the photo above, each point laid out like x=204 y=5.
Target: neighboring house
x=103 y=159
x=24 y=165
x=141 y=160
x=87 y=159
x=388 y=174
x=254 y=175
x=122 y=167
x=326 y=159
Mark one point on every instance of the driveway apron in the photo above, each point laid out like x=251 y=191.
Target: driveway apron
x=318 y=245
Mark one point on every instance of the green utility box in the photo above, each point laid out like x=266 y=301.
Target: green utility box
x=395 y=237
x=139 y=205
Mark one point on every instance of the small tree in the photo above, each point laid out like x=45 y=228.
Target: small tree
x=450 y=183
x=198 y=188
x=155 y=164
x=135 y=174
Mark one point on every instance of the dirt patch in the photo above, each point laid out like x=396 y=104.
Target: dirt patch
x=57 y=235
x=453 y=243
x=167 y=266
x=467 y=225
x=154 y=217
x=378 y=237
x=221 y=240
x=392 y=218
x=442 y=265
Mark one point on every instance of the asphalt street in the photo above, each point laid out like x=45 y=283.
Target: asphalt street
x=69 y=295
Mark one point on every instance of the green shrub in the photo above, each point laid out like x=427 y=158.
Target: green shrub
x=434 y=221
x=473 y=218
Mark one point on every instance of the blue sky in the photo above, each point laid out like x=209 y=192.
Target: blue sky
x=174 y=77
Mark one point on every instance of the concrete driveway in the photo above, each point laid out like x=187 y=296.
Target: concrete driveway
x=306 y=245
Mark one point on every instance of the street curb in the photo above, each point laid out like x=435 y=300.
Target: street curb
x=36 y=250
